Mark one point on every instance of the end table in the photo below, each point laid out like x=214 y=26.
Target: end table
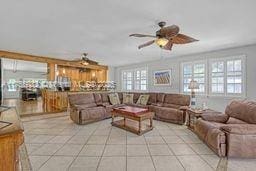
x=193 y=115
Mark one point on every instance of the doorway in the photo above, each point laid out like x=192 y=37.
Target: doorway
x=22 y=83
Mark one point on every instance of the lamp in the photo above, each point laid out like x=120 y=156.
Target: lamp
x=193 y=85
x=161 y=42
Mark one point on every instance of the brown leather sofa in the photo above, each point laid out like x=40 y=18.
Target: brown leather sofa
x=90 y=107
x=232 y=134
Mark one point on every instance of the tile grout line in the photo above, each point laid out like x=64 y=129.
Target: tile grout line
x=189 y=144
x=44 y=144
x=56 y=151
x=108 y=137
x=82 y=146
x=55 y=143
x=173 y=151
x=103 y=149
x=147 y=144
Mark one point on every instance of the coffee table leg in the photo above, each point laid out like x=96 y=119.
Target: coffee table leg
x=151 y=122
x=113 y=117
x=124 y=121
x=139 y=126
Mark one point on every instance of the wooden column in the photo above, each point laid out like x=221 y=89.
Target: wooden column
x=50 y=71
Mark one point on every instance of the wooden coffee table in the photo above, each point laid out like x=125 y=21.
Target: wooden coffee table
x=132 y=119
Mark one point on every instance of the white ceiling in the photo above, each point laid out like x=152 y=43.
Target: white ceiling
x=20 y=65
x=65 y=28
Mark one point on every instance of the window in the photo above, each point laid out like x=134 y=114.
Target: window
x=11 y=85
x=234 y=76
x=194 y=71
x=217 y=77
x=140 y=81
x=135 y=79
x=127 y=80
x=227 y=76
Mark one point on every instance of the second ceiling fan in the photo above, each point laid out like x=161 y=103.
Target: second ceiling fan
x=166 y=37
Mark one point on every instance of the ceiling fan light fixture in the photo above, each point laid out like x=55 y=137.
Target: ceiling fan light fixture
x=161 y=42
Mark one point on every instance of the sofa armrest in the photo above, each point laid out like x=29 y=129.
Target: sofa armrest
x=183 y=108
x=221 y=118
x=242 y=129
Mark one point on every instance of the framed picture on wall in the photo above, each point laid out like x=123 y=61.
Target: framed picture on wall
x=162 y=77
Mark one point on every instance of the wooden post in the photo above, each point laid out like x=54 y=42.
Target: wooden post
x=50 y=71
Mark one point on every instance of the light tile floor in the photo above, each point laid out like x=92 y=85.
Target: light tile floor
x=57 y=143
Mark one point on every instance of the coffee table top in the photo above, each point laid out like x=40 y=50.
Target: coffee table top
x=130 y=110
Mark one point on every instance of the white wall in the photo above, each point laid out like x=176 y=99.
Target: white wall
x=217 y=103
x=111 y=73
x=19 y=75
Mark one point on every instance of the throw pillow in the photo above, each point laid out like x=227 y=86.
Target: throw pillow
x=114 y=99
x=127 y=98
x=143 y=99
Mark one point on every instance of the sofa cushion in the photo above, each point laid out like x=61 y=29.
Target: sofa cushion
x=84 y=106
x=143 y=99
x=243 y=129
x=243 y=110
x=110 y=107
x=127 y=98
x=160 y=97
x=136 y=96
x=232 y=120
x=177 y=99
x=114 y=98
x=120 y=95
x=81 y=98
x=203 y=127
x=221 y=118
x=97 y=98
x=104 y=97
x=171 y=105
x=167 y=113
x=157 y=104
x=94 y=113
x=152 y=98
x=138 y=105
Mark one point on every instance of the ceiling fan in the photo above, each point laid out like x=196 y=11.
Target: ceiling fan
x=166 y=37
x=84 y=60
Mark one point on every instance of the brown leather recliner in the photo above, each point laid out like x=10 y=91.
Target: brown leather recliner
x=232 y=134
x=169 y=107
x=84 y=109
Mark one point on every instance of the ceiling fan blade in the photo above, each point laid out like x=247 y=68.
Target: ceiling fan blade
x=141 y=35
x=146 y=44
x=183 y=39
x=169 y=31
x=168 y=46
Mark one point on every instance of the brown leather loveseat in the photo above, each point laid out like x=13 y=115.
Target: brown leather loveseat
x=232 y=134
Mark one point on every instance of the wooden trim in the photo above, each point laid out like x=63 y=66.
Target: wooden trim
x=44 y=59
x=50 y=71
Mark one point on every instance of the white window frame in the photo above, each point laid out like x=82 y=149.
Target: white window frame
x=243 y=75
x=133 y=71
x=140 y=79
x=124 y=88
x=205 y=75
